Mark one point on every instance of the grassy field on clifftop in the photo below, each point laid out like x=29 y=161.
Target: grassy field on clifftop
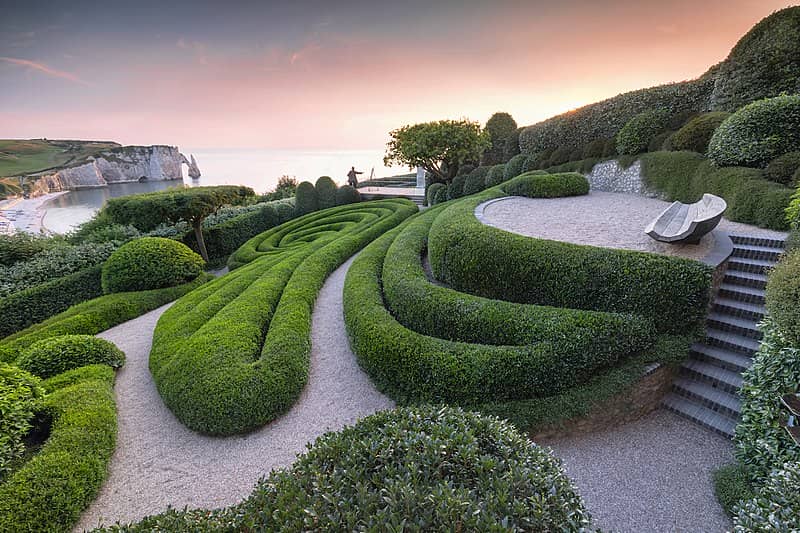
x=29 y=156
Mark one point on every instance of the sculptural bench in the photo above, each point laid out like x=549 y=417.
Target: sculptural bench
x=687 y=223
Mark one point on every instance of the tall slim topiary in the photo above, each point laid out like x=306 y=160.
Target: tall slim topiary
x=501 y=128
x=326 y=192
x=305 y=199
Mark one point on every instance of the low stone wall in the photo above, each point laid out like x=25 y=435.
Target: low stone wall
x=609 y=176
x=644 y=397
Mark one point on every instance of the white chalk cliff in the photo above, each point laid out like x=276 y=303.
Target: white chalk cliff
x=121 y=165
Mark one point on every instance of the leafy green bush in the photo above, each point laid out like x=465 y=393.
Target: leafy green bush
x=731 y=486
x=19 y=400
x=346 y=194
x=440 y=196
x=150 y=263
x=512 y=145
x=93 y=316
x=305 y=199
x=695 y=135
x=660 y=141
x=594 y=149
x=559 y=156
x=233 y=355
x=514 y=166
x=51 y=489
x=495 y=175
x=776 y=507
x=22 y=246
x=538 y=185
x=53 y=356
x=783 y=169
x=440 y=467
x=637 y=133
x=456 y=187
x=783 y=296
x=476 y=180
x=326 y=192
x=433 y=189
x=758 y=133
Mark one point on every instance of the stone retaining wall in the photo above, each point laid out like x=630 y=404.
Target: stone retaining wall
x=610 y=176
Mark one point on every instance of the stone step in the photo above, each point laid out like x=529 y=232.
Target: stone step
x=727 y=322
x=732 y=341
x=753 y=251
x=758 y=241
x=716 y=376
x=741 y=293
x=738 y=308
x=700 y=414
x=721 y=357
x=747 y=279
x=756 y=266
x=717 y=400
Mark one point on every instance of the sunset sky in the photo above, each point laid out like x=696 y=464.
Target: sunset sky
x=336 y=74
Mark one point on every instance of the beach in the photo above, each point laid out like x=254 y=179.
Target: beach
x=25 y=214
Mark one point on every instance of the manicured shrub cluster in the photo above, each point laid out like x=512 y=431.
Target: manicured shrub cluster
x=233 y=355
x=502 y=130
x=440 y=469
x=686 y=176
x=784 y=169
x=731 y=486
x=514 y=167
x=51 y=489
x=489 y=262
x=150 y=263
x=456 y=187
x=50 y=357
x=347 y=194
x=305 y=199
x=637 y=133
x=541 y=185
x=93 y=316
x=433 y=190
x=19 y=400
x=776 y=507
x=326 y=192
x=476 y=180
x=758 y=133
x=695 y=135
x=495 y=175
x=783 y=296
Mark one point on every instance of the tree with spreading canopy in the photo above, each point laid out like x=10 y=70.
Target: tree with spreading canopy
x=438 y=147
x=191 y=205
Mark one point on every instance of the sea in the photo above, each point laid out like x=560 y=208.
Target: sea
x=258 y=169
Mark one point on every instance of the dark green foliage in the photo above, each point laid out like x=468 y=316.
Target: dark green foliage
x=285 y=188
x=476 y=180
x=433 y=189
x=19 y=400
x=30 y=306
x=50 y=490
x=456 y=187
x=502 y=129
x=776 y=506
x=50 y=357
x=695 y=134
x=514 y=167
x=496 y=175
x=659 y=141
x=678 y=120
x=610 y=148
x=637 y=133
x=530 y=164
x=783 y=169
x=559 y=156
x=233 y=355
x=758 y=133
x=731 y=486
x=576 y=155
x=594 y=149
x=440 y=196
x=538 y=185
x=685 y=176
x=765 y=62
x=346 y=194
x=21 y=246
x=492 y=263
x=783 y=296
x=93 y=316
x=305 y=199
x=512 y=145
x=441 y=469
x=326 y=192
x=150 y=263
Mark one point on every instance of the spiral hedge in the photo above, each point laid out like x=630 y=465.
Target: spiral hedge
x=500 y=340
x=234 y=354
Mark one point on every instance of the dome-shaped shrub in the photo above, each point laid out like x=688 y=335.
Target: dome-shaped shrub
x=476 y=180
x=456 y=187
x=19 y=394
x=433 y=190
x=758 y=133
x=783 y=295
x=305 y=199
x=514 y=167
x=695 y=135
x=326 y=192
x=495 y=175
x=635 y=136
x=50 y=357
x=150 y=263
x=347 y=194
x=783 y=169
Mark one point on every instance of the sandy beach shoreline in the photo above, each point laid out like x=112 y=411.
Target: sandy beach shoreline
x=25 y=214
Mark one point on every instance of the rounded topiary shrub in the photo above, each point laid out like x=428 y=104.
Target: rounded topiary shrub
x=456 y=187
x=440 y=467
x=347 y=194
x=658 y=142
x=150 y=263
x=440 y=195
x=326 y=192
x=495 y=175
x=538 y=184
x=305 y=199
x=50 y=357
x=758 y=133
x=19 y=395
x=783 y=295
x=433 y=189
x=514 y=167
x=476 y=180
x=695 y=135
x=784 y=168
x=635 y=136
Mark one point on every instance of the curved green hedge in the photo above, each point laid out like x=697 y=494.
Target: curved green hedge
x=51 y=489
x=233 y=355
x=539 y=184
x=50 y=357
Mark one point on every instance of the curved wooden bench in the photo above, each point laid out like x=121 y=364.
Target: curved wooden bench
x=687 y=223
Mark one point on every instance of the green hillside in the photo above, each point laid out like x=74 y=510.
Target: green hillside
x=20 y=156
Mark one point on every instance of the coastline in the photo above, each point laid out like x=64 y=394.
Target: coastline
x=27 y=214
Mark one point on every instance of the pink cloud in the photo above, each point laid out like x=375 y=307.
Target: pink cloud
x=41 y=67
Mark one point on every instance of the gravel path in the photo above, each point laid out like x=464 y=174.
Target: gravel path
x=651 y=475
x=158 y=462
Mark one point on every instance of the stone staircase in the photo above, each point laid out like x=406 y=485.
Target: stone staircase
x=707 y=384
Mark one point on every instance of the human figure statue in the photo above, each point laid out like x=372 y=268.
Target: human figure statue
x=352 y=180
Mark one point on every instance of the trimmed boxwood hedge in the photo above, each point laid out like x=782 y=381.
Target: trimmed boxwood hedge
x=305 y=199
x=539 y=184
x=496 y=175
x=637 y=133
x=476 y=180
x=56 y=355
x=783 y=169
x=695 y=134
x=20 y=394
x=432 y=191
x=51 y=489
x=233 y=355
x=326 y=192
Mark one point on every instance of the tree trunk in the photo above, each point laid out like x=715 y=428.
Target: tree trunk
x=201 y=243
